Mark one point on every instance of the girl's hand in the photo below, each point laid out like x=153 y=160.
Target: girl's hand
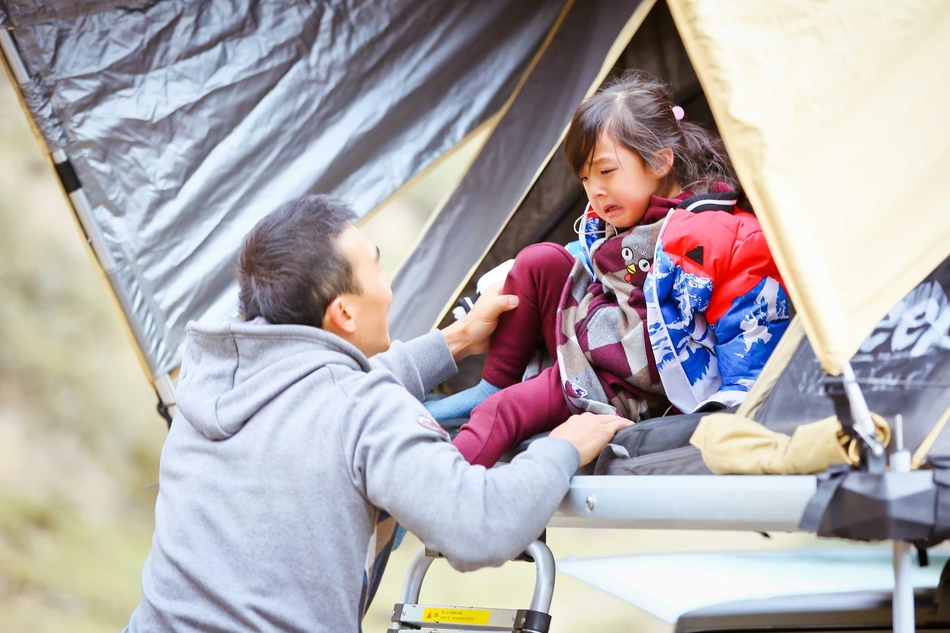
x=590 y=433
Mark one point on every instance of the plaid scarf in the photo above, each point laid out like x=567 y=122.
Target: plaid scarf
x=603 y=347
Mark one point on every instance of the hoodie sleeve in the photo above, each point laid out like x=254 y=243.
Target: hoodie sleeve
x=403 y=462
x=420 y=364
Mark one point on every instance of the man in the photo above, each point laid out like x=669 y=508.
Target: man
x=291 y=450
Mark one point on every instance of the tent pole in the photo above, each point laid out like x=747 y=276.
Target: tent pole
x=903 y=615
x=860 y=413
x=82 y=208
x=903 y=600
x=13 y=58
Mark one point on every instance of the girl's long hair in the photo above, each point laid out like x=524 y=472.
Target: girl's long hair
x=637 y=112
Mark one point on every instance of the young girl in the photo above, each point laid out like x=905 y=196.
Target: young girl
x=673 y=300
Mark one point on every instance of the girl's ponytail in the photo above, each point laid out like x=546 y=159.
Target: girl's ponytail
x=702 y=160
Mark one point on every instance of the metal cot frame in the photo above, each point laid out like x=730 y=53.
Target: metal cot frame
x=759 y=503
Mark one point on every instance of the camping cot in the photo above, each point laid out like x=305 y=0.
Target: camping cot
x=174 y=126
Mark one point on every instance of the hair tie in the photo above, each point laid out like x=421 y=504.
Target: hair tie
x=678 y=113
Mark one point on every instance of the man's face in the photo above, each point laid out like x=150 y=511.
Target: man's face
x=370 y=307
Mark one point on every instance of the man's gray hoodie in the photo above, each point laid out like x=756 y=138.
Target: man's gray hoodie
x=287 y=445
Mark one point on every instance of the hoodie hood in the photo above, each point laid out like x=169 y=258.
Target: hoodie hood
x=229 y=372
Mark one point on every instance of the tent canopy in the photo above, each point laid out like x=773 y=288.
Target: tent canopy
x=187 y=122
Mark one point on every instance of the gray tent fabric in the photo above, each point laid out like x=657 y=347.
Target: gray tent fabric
x=506 y=166
x=186 y=122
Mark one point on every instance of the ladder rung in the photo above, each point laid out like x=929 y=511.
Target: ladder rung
x=415 y=630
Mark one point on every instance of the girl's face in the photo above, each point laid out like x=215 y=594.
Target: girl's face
x=619 y=184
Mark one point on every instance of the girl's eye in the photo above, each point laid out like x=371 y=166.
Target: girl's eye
x=583 y=178
x=604 y=172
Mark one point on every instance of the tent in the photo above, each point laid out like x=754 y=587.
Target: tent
x=174 y=126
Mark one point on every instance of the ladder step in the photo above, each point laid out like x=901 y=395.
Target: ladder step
x=472 y=618
x=458 y=618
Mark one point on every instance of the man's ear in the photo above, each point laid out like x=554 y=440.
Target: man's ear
x=665 y=157
x=339 y=317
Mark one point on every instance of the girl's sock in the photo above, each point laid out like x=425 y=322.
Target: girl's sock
x=460 y=405
x=400 y=535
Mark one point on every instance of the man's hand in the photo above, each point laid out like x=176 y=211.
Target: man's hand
x=471 y=333
x=590 y=433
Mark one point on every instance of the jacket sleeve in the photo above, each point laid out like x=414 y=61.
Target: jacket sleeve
x=418 y=365
x=403 y=463
x=748 y=312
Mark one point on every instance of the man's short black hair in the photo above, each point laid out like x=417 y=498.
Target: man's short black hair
x=290 y=267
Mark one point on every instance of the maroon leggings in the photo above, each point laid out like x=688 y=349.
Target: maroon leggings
x=521 y=409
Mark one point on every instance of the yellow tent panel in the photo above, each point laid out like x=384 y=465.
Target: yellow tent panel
x=836 y=117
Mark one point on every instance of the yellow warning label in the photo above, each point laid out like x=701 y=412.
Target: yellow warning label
x=456 y=616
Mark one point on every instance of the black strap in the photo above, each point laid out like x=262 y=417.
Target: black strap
x=828 y=484
x=534 y=621
x=67 y=176
x=162 y=409
x=834 y=389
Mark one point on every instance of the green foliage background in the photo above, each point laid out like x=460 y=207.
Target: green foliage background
x=79 y=437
